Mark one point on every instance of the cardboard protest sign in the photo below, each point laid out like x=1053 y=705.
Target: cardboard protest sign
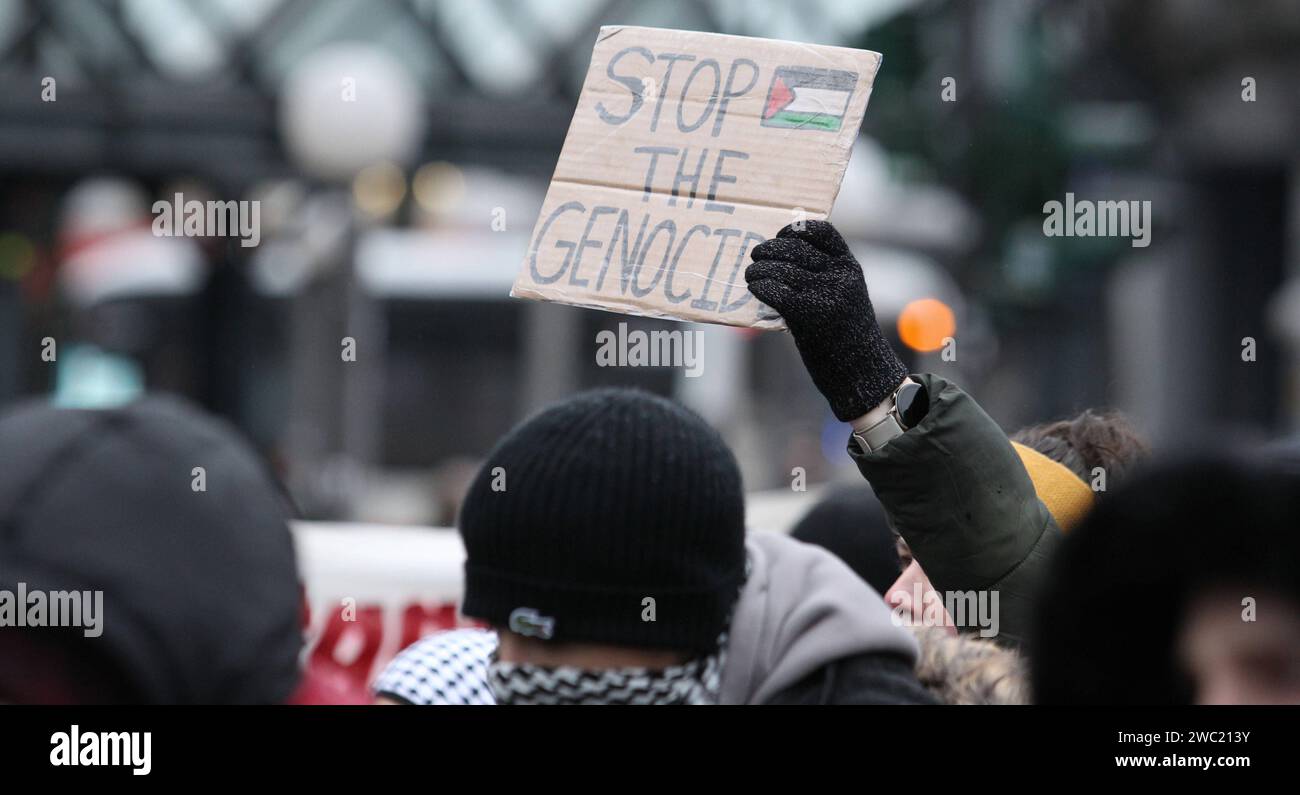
x=685 y=151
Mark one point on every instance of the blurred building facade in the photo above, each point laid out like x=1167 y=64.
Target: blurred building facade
x=402 y=232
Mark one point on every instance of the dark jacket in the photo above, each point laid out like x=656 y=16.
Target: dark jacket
x=955 y=489
x=860 y=679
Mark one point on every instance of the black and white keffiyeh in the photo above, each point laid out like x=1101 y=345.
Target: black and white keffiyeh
x=693 y=682
x=445 y=668
x=459 y=667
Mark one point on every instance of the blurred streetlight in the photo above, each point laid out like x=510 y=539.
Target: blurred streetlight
x=350 y=113
x=348 y=106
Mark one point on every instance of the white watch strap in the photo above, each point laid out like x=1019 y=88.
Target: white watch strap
x=878 y=435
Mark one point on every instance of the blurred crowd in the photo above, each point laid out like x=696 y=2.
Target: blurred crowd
x=175 y=408
x=608 y=559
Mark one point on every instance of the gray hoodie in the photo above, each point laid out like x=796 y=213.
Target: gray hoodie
x=800 y=609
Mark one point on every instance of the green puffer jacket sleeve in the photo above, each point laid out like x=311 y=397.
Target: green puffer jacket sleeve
x=955 y=489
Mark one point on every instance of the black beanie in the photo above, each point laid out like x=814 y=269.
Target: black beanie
x=597 y=504
x=1183 y=528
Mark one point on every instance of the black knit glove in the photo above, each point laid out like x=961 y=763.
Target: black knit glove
x=810 y=277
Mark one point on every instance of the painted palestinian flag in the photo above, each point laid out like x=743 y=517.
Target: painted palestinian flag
x=806 y=97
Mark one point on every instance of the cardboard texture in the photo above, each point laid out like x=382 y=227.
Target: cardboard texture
x=686 y=150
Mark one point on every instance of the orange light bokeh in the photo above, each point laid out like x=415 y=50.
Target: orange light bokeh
x=925 y=323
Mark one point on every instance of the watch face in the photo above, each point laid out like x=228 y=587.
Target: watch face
x=912 y=404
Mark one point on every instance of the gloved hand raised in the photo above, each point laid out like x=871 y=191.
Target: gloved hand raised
x=810 y=277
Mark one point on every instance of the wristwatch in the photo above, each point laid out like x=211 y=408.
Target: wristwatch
x=911 y=402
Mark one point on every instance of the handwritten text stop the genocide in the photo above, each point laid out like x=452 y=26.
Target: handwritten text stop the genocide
x=609 y=227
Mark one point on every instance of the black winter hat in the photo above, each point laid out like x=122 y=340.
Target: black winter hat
x=594 y=506
x=201 y=600
x=1109 y=617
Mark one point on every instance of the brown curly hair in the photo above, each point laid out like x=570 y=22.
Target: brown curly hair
x=1089 y=440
